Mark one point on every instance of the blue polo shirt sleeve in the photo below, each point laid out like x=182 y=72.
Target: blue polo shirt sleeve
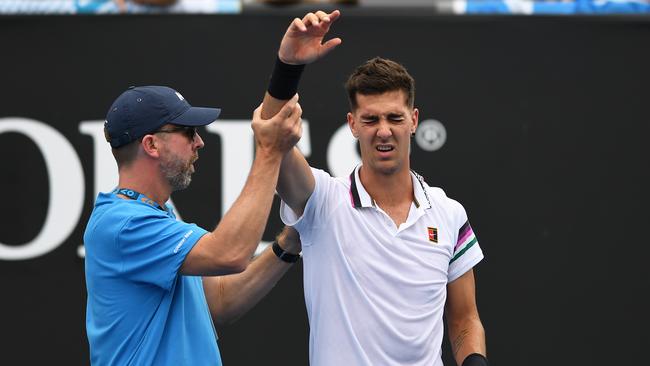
x=154 y=246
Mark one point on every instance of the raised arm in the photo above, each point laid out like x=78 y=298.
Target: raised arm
x=230 y=246
x=465 y=328
x=302 y=44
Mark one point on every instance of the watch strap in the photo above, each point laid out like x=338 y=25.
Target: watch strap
x=284 y=255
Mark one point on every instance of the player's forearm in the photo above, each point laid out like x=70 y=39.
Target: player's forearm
x=238 y=293
x=467 y=336
x=271 y=105
x=241 y=228
x=296 y=182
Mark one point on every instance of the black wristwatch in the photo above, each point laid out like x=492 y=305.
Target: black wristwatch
x=475 y=359
x=285 y=256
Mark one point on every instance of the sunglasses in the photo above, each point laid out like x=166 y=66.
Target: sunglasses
x=189 y=131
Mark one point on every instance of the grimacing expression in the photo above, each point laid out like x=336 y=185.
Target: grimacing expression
x=383 y=123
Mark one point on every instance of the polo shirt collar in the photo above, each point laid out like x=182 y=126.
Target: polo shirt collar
x=359 y=197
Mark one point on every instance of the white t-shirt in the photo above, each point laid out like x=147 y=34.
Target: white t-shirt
x=375 y=293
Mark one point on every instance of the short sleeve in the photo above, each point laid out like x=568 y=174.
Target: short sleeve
x=153 y=248
x=316 y=208
x=467 y=252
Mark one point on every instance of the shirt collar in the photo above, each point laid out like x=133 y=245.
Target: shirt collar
x=359 y=197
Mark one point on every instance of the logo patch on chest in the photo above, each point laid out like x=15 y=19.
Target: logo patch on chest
x=433 y=234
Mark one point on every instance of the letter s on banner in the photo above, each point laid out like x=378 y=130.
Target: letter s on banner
x=67 y=190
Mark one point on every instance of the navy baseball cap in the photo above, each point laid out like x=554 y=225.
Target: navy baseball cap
x=144 y=109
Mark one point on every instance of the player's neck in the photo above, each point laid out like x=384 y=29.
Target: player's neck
x=395 y=189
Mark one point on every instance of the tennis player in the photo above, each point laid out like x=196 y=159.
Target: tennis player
x=385 y=254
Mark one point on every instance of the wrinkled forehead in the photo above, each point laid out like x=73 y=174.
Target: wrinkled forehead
x=395 y=101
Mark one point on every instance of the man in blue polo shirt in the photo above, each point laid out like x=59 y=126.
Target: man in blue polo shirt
x=154 y=283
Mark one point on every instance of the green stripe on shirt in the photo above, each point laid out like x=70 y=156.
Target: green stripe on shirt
x=469 y=245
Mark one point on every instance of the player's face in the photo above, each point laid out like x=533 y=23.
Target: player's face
x=383 y=123
x=178 y=156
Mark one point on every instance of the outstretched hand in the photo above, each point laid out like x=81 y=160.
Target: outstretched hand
x=303 y=41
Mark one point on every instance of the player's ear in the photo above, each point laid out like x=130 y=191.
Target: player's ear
x=415 y=119
x=352 y=125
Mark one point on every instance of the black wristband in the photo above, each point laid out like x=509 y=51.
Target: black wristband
x=475 y=359
x=285 y=256
x=284 y=80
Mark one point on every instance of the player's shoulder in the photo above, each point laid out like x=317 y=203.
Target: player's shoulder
x=323 y=176
x=438 y=196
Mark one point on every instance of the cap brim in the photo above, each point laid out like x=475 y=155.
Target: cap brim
x=197 y=116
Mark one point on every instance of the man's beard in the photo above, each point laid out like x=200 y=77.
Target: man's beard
x=178 y=172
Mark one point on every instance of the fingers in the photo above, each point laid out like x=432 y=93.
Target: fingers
x=289 y=124
x=291 y=116
x=284 y=113
x=257 y=113
x=298 y=24
x=330 y=45
x=333 y=16
x=320 y=17
x=323 y=16
x=288 y=109
x=311 y=18
x=297 y=114
x=297 y=122
x=281 y=132
x=328 y=18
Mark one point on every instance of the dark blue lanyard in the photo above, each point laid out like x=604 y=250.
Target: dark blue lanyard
x=137 y=196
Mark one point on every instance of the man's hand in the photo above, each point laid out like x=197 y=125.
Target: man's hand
x=302 y=43
x=281 y=132
x=289 y=240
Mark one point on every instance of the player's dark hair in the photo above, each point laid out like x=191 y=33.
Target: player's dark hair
x=378 y=76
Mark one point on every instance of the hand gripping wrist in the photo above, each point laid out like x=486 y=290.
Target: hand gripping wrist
x=475 y=359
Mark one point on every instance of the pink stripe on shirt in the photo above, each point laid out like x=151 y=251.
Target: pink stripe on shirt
x=462 y=239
